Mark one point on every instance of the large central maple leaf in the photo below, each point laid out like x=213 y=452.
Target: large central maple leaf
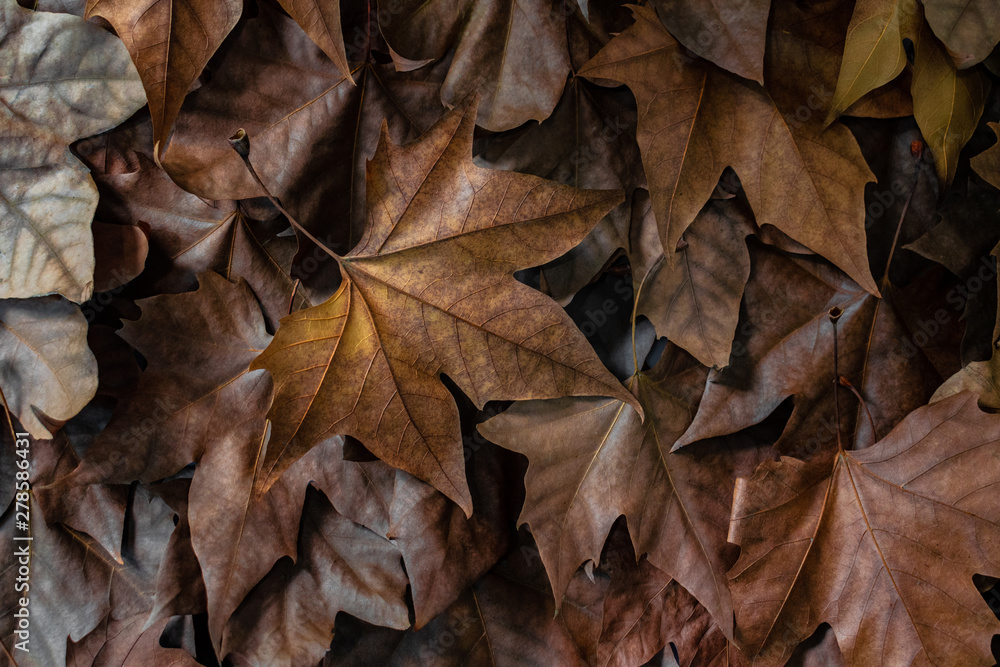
x=430 y=290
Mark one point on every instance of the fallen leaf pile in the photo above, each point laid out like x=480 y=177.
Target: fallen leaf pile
x=499 y=332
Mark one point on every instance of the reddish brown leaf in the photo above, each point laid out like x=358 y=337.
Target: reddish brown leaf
x=882 y=545
x=592 y=460
x=188 y=385
x=170 y=43
x=876 y=353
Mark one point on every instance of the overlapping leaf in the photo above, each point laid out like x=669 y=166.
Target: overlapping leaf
x=513 y=53
x=429 y=290
x=63 y=79
x=592 y=460
x=199 y=346
x=882 y=546
x=170 y=43
x=304 y=117
x=731 y=34
x=48 y=373
x=696 y=121
x=289 y=618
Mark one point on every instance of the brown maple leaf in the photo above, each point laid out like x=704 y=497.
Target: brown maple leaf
x=199 y=346
x=592 y=460
x=288 y=619
x=784 y=347
x=170 y=43
x=313 y=130
x=429 y=290
x=587 y=142
x=76 y=586
x=882 y=545
x=696 y=302
x=189 y=235
x=506 y=619
x=512 y=52
x=732 y=34
x=645 y=611
x=696 y=120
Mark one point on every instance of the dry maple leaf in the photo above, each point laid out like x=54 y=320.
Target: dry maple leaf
x=695 y=121
x=127 y=643
x=189 y=235
x=98 y=510
x=429 y=290
x=731 y=34
x=445 y=552
x=62 y=79
x=75 y=584
x=882 y=546
x=587 y=142
x=170 y=43
x=784 y=347
x=696 y=302
x=321 y=21
x=592 y=460
x=513 y=53
x=506 y=619
x=288 y=619
x=645 y=611
x=180 y=587
x=48 y=373
x=312 y=129
x=237 y=536
x=199 y=346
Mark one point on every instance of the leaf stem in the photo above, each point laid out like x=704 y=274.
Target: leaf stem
x=241 y=144
x=871 y=422
x=835 y=314
x=291 y=300
x=917 y=153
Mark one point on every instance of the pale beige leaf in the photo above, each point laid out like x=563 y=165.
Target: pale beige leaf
x=62 y=79
x=47 y=372
x=68 y=77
